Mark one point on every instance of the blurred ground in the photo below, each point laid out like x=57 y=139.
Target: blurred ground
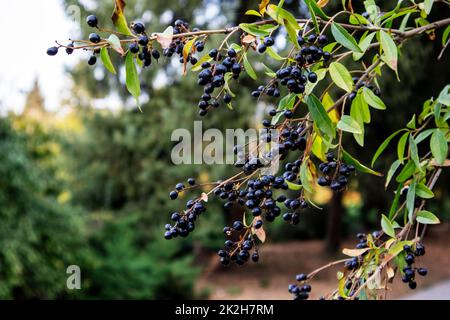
x=280 y=263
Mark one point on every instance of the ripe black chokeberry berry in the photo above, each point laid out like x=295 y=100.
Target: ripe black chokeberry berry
x=191 y=181
x=143 y=40
x=138 y=27
x=288 y=114
x=53 y=51
x=92 y=21
x=301 y=277
x=155 y=54
x=199 y=46
x=422 y=271
x=322 y=39
x=213 y=53
x=273 y=112
x=227 y=98
x=94 y=38
x=312 y=38
x=69 y=49
x=312 y=77
x=261 y=48
x=134 y=48
x=92 y=60
x=268 y=41
x=173 y=195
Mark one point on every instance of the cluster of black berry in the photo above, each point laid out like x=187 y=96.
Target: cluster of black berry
x=213 y=77
x=409 y=272
x=296 y=75
x=184 y=222
x=335 y=173
x=240 y=251
x=300 y=291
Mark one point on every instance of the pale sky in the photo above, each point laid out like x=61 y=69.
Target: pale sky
x=27 y=29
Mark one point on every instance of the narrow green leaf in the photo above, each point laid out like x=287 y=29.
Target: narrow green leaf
x=104 y=55
x=387 y=227
x=414 y=152
x=384 y=145
x=132 y=78
x=410 y=199
x=427 y=217
x=305 y=176
x=395 y=202
x=445 y=35
x=341 y=76
x=444 y=96
x=119 y=19
x=393 y=168
x=390 y=50
x=363 y=45
x=406 y=172
x=428 y=5
x=398 y=247
x=252 y=13
x=373 y=100
x=358 y=165
x=313 y=15
x=274 y=55
x=253 y=30
x=412 y=123
x=439 y=146
x=348 y=124
x=343 y=37
x=317 y=10
x=401 y=146
x=198 y=65
x=320 y=116
x=293 y=186
x=423 y=191
x=248 y=68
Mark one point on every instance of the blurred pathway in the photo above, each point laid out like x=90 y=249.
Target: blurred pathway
x=437 y=292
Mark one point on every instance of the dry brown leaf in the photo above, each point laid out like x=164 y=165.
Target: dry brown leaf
x=204 y=197
x=322 y=3
x=248 y=39
x=260 y=233
x=390 y=272
x=165 y=38
x=354 y=252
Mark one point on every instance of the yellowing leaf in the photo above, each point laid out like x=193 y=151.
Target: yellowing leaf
x=322 y=3
x=262 y=6
x=119 y=19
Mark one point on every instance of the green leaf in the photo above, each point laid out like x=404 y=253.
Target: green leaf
x=254 y=30
x=373 y=100
x=395 y=202
x=292 y=32
x=423 y=135
x=104 y=55
x=414 y=152
x=428 y=5
x=410 y=199
x=119 y=19
x=293 y=186
x=305 y=176
x=341 y=77
x=412 y=123
x=316 y=9
x=227 y=78
x=406 y=172
x=390 y=50
x=313 y=15
x=274 y=55
x=286 y=103
x=348 y=124
x=248 y=68
x=401 y=146
x=358 y=165
x=198 y=65
x=393 y=168
x=252 y=13
x=320 y=116
x=423 y=191
x=398 y=247
x=387 y=227
x=384 y=145
x=439 y=146
x=445 y=35
x=444 y=96
x=364 y=44
x=132 y=78
x=114 y=41
x=343 y=37
x=427 y=217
